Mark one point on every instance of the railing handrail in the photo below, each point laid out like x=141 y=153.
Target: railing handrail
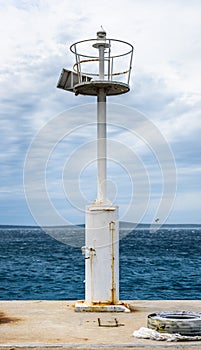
x=77 y=64
x=110 y=58
x=107 y=40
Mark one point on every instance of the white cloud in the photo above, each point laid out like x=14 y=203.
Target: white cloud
x=166 y=83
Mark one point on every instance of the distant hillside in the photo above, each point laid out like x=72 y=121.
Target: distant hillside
x=122 y=224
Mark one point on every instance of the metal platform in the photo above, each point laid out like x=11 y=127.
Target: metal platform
x=92 y=87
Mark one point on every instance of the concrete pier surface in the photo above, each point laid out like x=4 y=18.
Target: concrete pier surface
x=55 y=325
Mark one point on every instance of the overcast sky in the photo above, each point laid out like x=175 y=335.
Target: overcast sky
x=164 y=102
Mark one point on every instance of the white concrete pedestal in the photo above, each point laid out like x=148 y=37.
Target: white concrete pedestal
x=82 y=306
x=101 y=260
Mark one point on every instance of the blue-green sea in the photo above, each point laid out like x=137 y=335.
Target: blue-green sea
x=161 y=264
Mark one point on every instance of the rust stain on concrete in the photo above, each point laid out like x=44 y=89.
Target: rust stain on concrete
x=4 y=319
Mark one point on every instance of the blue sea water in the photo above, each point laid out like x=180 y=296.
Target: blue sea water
x=165 y=264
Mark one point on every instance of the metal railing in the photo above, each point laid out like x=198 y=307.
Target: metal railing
x=117 y=64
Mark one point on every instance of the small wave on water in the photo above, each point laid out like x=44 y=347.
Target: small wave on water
x=164 y=264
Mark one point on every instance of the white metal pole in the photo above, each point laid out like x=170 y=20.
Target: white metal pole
x=101 y=133
x=101 y=147
x=101 y=62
